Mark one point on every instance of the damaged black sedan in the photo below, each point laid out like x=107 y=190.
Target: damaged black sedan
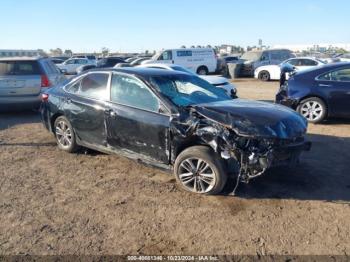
x=175 y=121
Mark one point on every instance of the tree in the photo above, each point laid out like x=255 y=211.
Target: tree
x=56 y=52
x=104 y=51
x=68 y=52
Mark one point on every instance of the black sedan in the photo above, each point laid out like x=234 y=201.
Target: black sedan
x=175 y=121
x=103 y=63
x=318 y=93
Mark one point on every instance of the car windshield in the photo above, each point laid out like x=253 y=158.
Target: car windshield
x=185 y=90
x=251 y=56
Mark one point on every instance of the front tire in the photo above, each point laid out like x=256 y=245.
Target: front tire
x=65 y=136
x=202 y=70
x=264 y=76
x=313 y=109
x=197 y=169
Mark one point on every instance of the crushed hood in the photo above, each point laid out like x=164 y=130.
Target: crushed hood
x=254 y=118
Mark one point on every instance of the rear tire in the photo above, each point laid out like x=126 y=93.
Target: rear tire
x=202 y=70
x=64 y=134
x=199 y=170
x=313 y=109
x=264 y=76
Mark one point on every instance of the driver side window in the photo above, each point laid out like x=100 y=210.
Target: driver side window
x=130 y=91
x=166 y=55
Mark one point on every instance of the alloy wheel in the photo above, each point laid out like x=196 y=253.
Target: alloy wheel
x=312 y=110
x=63 y=134
x=196 y=175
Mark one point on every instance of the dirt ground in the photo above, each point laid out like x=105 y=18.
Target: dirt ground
x=52 y=202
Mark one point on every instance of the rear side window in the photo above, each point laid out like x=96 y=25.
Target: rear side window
x=184 y=53
x=19 y=68
x=294 y=62
x=342 y=75
x=95 y=86
x=308 y=62
x=7 y=68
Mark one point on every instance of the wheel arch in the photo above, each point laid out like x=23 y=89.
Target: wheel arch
x=53 y=119
x=202 y=66
x=183 y=145
x=317 y=96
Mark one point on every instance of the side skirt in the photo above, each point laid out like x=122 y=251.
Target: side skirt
x=129 y=154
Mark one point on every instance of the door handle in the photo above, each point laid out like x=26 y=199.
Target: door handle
x=324 y=85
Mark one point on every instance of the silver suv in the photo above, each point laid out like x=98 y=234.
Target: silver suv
x=22 y=80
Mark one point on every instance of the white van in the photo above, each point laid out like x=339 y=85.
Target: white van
x=199 y=60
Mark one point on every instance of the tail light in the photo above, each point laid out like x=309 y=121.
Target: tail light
x=45 y=82
x=44 y=97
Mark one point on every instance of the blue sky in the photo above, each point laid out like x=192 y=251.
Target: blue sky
x=136 y=25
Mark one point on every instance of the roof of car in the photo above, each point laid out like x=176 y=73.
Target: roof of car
x=21 y=58
x=336 y=65
x=140 y=71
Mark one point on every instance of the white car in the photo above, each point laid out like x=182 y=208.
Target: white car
x=273 y=72
x=218 y=81
x=71 y=65
x=199 y=60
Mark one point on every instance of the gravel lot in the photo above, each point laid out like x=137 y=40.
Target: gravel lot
x=52 y=202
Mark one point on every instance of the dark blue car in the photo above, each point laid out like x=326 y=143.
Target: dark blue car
x=318 y=93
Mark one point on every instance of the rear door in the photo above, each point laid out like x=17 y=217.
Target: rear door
x=136 y=120
x=86 y=106
x=336 y=86
x=20 y=78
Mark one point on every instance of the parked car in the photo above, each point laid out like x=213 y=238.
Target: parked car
x=103 y=63
x=175 y=121
x=253 y=59
x=273 y=72
x=70 y=66
x=139 y=61
x=218 y=81
x=84 y=68
x=318 y=93
x=64 y=58
x=199 y=60
x=109 y=62
x=57 y=60
x=22 y=80
x=92 y=58
x=131 y=59
x=231 y=59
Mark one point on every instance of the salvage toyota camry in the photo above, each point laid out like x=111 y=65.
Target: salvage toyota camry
x=175 y=121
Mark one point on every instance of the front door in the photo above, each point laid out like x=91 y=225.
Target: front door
x=136 y=121
x=85 y=108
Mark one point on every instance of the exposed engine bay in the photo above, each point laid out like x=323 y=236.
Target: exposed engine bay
x=243 y=143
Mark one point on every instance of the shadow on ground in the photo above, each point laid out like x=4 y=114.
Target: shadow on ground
x=323 y=174
x=8 y=120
